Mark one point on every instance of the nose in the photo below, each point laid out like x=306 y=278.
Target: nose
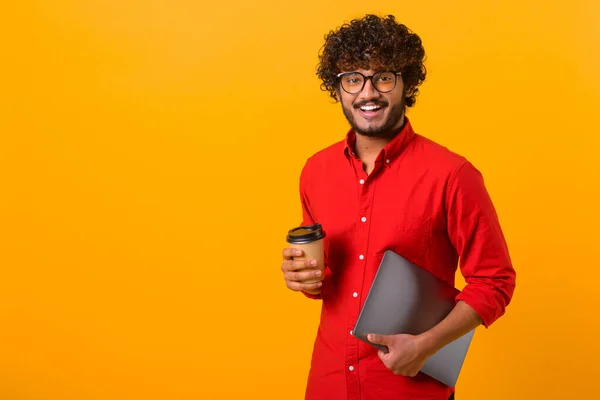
x=368 y=92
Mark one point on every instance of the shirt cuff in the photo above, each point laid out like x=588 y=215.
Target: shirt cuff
x=483 y=302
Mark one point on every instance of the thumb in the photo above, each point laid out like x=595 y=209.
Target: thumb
x=378 y=339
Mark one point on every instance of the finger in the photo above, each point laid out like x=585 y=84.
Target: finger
x=289 y=253
x=301 y=276
x=384 y=356
x=300 y=264
x=386 y=360
x=378 y=339
x=405 y=371
x=297 y=286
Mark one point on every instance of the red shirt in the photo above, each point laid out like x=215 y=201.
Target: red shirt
x=422 y=201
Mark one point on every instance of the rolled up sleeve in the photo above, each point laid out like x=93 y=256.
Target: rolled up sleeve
x=475 y=232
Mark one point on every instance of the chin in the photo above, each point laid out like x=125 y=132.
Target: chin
x=370 y=130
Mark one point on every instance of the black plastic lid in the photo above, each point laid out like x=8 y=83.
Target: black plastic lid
x=305 y=234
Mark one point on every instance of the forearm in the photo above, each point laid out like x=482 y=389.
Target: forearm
x=461 y=320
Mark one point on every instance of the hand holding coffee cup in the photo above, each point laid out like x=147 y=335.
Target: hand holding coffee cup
x=304 y=262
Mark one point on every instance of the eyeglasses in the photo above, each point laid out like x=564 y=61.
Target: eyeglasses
x=354 y=82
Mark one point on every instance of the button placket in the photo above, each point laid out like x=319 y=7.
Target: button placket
x=365 y=188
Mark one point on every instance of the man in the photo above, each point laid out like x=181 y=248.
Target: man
x=386 y=187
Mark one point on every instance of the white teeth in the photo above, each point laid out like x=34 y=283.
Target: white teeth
x=370 y=108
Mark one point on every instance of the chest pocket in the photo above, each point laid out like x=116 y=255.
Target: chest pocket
x=408 y=236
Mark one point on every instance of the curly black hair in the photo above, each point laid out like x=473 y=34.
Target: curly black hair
x=378 y=43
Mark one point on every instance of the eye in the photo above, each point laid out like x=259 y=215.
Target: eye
x=353 y=79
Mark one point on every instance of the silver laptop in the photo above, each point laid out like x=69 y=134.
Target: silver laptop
x=405 y=298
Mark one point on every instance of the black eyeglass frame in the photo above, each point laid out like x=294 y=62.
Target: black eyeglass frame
x=365 y=78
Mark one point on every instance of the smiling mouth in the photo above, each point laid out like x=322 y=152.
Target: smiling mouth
x=370 y=110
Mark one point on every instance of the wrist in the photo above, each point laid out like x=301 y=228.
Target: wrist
x=429 y=343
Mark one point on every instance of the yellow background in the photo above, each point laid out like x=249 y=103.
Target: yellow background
x=149 y=159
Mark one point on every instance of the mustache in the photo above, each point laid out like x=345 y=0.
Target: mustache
x=377 y=103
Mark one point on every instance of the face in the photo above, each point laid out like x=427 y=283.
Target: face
x=372 y=113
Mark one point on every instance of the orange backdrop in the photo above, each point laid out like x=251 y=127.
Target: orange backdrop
x=149 y=158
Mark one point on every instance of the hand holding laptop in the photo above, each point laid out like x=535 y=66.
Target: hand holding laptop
x=416 y=321
x=406 y=354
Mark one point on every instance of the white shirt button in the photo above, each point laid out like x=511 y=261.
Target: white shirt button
x=351 y=368
x=363 y=219
x=362 y=181
x=387 y=161
x=351 y=332
x=355 y=294
x=361 y=257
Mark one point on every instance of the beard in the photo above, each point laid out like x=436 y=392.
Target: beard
x=386 y=128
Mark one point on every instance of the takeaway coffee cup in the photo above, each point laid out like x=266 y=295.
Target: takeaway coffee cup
x=309 y=239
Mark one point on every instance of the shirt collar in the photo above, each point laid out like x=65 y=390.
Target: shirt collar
x=390 y=150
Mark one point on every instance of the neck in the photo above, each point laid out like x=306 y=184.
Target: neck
x=367 y=147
